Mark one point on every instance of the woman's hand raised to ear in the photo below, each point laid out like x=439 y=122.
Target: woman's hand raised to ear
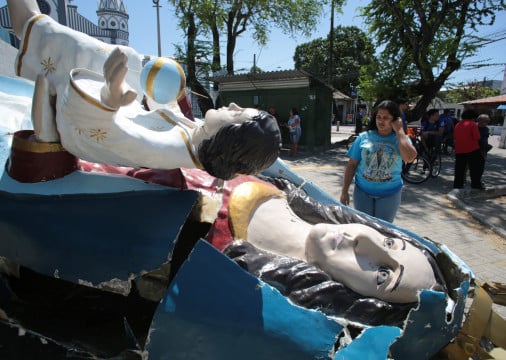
x=116 y=92
x=397 y=124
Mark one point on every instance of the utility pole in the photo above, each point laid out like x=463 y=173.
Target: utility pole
x=331 y=44
x=157 y=6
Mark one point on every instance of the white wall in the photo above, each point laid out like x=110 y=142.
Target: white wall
x=495 y=130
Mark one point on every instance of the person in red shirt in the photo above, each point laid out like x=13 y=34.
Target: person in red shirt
x=467 y=151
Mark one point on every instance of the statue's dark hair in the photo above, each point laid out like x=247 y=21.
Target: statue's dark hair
x=308 y=286
x=246 y=148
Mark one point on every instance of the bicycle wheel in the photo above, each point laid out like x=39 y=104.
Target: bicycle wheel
x=436 y=165
x=418 y=171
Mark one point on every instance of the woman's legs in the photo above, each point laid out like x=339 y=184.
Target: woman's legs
x=384 y=208
x=294 y=139
x=362 y=201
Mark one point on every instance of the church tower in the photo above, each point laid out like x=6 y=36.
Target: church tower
x=113 y=18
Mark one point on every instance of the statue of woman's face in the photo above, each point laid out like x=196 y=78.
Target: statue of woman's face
x=369 y=263
x=231 y=114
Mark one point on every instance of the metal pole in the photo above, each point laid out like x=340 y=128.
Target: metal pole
x=331 y=45
x=157 y=6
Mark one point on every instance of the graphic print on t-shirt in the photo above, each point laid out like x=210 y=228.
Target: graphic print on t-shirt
x=379 y=161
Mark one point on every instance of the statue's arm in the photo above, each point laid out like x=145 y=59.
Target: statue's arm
x=20 y=11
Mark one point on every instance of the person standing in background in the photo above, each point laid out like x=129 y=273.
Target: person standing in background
x=447 y=141
x=446 y=117
x=482 y=121
x=467 y=151
x=359 y=121
x=285 y=137
x=403 y=107
x=273 y=112
x=376 y=158
x=295 y=130
x=432 y=131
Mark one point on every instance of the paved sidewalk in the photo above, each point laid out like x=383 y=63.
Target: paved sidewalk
x=471 y=223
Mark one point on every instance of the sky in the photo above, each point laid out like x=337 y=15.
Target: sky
x=278 y=53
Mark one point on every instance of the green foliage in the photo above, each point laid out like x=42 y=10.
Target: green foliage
x=203 y=52
x=255 y=70
x=465 y=92
x=352 y=50
x=229 y=19
x=425 y=41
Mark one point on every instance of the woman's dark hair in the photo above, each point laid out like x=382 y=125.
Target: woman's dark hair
x=246 y=148
x=469 y=114
x=391 y=106
x=294 y=111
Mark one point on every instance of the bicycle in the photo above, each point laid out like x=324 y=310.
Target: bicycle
x=427 y=163
x=434 y=156
x=420 y=169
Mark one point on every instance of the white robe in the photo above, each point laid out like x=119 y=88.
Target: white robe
x=129 y=136
x=52 y=49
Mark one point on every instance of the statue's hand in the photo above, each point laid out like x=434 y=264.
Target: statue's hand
x=115 y=92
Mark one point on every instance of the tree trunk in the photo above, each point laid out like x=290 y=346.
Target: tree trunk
x=231 y=40
x=216 y=65
x=205 y=102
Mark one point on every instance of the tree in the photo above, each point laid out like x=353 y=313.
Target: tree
x=351 y=50
x=465 y=92
x=424 y=42
x=235 y=17
x=189 y=13
x=291 y=16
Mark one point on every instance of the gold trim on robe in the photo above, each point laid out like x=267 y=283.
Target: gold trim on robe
x=186 y=140
x=26 y=38
x=85 y=96
x=243 y=202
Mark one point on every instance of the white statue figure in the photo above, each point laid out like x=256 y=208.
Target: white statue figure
x=97 y=118
x=356 y=255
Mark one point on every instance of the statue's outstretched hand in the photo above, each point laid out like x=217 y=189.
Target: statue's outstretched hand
x=115 y=92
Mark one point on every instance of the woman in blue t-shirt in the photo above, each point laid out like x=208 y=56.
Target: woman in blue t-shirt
x=375 y=162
